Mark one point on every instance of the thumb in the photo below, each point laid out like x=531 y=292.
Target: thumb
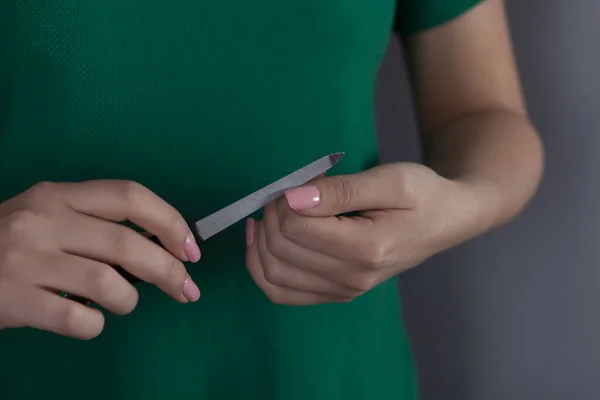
x=374 y=189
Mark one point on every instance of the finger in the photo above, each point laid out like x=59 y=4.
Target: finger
x=276 y=294
x=281 y=273
x=125 y=200
x=335 y=275
x=82 y=277
x=115 y=244
x=379 y=188
x=346 y=238
x=27 y=306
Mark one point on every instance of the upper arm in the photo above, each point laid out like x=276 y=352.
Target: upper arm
x=464 y=66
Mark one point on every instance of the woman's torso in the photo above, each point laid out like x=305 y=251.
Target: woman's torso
x=202 y=101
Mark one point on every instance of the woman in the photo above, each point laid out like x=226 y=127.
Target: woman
x=156 y=112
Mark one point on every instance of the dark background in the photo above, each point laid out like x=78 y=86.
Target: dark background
x=515 y=314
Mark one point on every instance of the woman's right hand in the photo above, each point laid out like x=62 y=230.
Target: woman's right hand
x=64 y=237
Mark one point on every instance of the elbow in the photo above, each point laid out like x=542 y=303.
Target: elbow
x=528 y=169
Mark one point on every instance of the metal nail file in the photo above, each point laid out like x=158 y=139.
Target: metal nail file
x=235 y=212
x=229 y=215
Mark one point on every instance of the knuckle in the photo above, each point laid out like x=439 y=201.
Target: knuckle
x=44 y=188
x=133 y=302
x=364 y=282
x=122 y=242
x=273 y=274
x=176 y=222
x=103 y=283
x=406 y=182
x=21 y=223
x=101 y=279
x=374 y=254
x=41 y=193
x=354 y=284
x=275 y=244
x=71 y=320
x=93 y=327
x=130 y=192
x=129 y=302
x=290 y=226
x=175 y=272
x=345 y=191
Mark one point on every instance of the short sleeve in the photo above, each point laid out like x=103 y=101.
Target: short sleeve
x=413 y=16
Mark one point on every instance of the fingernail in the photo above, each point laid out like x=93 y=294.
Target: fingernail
x=191 y=249
x=250 y=226
x=303 y=197
x=190 y=290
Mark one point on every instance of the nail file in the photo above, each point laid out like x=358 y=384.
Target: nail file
x=215 y=223
x=229 y=215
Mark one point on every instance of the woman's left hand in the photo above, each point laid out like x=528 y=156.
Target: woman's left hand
x=303 y=252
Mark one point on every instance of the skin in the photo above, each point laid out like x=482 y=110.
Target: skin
x=36 y=263
x=483 y=163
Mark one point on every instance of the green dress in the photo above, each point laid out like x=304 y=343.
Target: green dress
x=203 y=101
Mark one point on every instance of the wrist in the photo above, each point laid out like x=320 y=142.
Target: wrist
x=473 y=209
x=494 y=158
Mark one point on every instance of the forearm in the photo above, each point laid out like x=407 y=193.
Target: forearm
x=496 y=154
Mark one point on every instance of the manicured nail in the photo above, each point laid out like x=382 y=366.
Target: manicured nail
x=190 y=290
x=303 y=197
x=250 y=227
x=192 y=251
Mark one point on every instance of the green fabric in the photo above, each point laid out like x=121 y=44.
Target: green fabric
x=414 y=16
x=203 y=102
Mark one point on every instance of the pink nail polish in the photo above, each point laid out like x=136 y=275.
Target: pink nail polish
x=250 y=227
x=190 y=290
x=191 y=249
x=303 y=197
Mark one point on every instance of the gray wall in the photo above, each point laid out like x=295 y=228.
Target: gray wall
x=515 y=314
